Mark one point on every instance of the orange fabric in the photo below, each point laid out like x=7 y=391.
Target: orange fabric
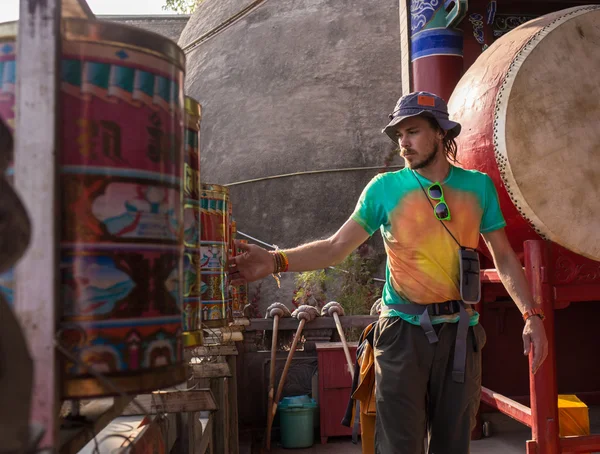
x=367 y=437
x=365 y=394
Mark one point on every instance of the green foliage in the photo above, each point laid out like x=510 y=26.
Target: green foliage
x=310 y=288
x=181 y=6
x=351 y=284
x=357 y=291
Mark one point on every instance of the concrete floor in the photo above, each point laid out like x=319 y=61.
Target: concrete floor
x=506 y=443
x=507 y=437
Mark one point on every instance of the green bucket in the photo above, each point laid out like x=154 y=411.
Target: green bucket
x=296 y=416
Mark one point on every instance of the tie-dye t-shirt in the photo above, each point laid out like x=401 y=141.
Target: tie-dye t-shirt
x=422 y=258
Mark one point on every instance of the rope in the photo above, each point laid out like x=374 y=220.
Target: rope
x=309 y=172
x=272 y=246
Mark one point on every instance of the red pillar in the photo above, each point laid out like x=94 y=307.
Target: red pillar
x=437 y=74
x=478 y=30
x=542 y=385
x=434 y=44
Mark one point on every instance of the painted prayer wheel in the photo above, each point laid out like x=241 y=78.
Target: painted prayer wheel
x=215 y=219
x=239 y=294
x=192 y=324
x=121 y=244
x=529 y=113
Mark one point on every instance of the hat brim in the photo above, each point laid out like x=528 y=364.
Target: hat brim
x=452 y=128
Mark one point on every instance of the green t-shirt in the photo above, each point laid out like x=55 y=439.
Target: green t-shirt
x=422 y=258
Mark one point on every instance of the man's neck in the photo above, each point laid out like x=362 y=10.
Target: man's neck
x=438 y=170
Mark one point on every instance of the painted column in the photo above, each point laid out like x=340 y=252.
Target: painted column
x=436 y=46
x=478 y=29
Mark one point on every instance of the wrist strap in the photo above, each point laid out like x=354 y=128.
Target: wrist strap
x=534 y=312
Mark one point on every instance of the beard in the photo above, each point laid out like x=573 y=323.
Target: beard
x=426 y=161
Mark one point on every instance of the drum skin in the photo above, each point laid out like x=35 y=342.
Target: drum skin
x=529 y=112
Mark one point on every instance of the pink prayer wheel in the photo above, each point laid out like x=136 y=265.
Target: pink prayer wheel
x=121 y=242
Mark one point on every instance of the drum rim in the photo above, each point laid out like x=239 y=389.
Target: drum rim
x=501 y=155
x=104 y=32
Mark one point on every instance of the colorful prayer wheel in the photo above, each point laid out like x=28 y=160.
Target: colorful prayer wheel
x=239 y=294
x=215 y=242
x=192 y=325
x=121 y=237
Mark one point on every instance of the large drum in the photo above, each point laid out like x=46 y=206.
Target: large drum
x=121 y=135
x=530 y=116
x=192 y=330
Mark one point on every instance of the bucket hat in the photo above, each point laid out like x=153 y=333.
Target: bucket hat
x=421 y=103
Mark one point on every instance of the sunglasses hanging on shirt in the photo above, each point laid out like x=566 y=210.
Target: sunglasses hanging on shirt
x=470 y=282
x=441 y=210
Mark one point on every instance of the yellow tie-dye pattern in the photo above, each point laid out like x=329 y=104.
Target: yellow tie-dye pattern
x=423 y=257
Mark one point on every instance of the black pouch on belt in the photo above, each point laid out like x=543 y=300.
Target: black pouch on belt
x=470 y=283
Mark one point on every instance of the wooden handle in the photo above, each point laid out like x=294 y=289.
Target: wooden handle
x=338 y=325
x=272 y=381
x=288 y=363
x=273 y=408
x=273 y=351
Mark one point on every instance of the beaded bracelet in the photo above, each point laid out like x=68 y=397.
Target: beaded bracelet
x=280 y=264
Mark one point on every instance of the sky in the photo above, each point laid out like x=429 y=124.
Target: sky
x=9 y=9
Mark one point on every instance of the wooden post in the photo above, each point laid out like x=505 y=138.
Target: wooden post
x=223 y=384
x=405 y=57
x=234 y=444
x=543 y=386
x=221 y=422
x=36 y=141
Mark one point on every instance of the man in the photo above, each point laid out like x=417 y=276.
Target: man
x=428 y=362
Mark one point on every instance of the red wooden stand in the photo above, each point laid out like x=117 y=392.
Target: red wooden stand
x=557 y=277
x=335 y=387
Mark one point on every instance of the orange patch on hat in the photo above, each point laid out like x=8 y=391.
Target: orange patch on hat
x=427 y=101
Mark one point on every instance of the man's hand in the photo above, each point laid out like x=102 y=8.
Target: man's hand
x=534 y=336
x=253 y=264
x=511 y=273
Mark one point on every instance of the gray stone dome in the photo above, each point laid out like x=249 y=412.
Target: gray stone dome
x=293 y=86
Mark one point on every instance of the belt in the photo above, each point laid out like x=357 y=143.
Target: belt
x=445 y=308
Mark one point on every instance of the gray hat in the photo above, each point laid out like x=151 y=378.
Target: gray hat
x=421 y=103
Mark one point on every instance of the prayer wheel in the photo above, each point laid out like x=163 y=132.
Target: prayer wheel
x=192 y=329
x=120 y=174
x=239 y=295
x=215 y=243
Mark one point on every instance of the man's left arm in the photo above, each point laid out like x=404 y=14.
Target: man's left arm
x=513 y=277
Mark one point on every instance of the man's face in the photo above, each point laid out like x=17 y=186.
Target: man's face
x=419 y=143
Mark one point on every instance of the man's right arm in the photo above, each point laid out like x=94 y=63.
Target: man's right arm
x=256 y=263
x=330 y=252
